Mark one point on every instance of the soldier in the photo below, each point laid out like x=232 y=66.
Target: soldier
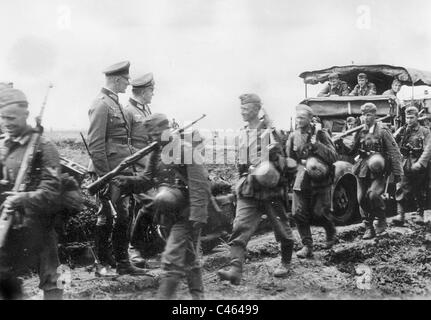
x=411 y=140
x=334 y=87
x=32 y=240
x=364 y=87
x=379 y=157
x=259 y=190
x=180 y=205
x=315 y=154
x=136 y=112
x=344 y=145
x=396 y=87
x=109 y=144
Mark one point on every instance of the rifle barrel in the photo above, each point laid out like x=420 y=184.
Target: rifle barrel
x=358 y=128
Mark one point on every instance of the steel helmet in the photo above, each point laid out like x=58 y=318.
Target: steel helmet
x=168 y=198
x=316 y=169
x=266 y=174
x=291 y=164
x=376 y=163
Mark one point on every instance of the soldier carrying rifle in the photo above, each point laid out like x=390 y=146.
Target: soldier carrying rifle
x=411 y=139
x=260 y=189
x=31 y=240
x=379 y=157
x=180 y=203
x=315 y=153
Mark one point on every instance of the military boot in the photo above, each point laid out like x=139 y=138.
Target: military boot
x=381 y=226
x=283 y=269
x=136 y=258
x=168 y=286
x=125 y=267
x=196 y=286
x=331 y=234
x=306 y=252
x=10 y=287
x=103 y=245
x=401 y=217
x=54 y=294
x=369 y=231
x=234 y=273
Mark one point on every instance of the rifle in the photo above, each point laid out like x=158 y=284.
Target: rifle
x=359 y=128
x=23 y=176
x=97 y=185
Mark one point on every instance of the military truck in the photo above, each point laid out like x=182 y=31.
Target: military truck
x=334 y=110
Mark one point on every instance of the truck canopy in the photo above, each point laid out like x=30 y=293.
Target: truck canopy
x=381 y=75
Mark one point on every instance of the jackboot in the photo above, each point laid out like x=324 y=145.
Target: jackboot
x=306 y=252
x=54 y=294
x=234 y=273
x=381 y=226
x=401 y=217
x=103 y=245
x=168 y=286
x=369 y=231
x=136 y=258
x=10 y=288
x=331 y=234
x=283 y=269
x=195 y=283
x=125 y=267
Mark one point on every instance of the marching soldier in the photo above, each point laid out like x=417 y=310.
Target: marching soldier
x=379 y=157
x=364 y=87
x=411 y=140
x=32 y=239
x=180 y=205
x=315 y=153
x=136 y=112
x=260 y=189
x=109 y=144
x=334 y=87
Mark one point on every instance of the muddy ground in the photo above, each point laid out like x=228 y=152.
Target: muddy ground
x=397 y=266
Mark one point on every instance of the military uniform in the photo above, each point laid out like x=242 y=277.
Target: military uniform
x=109 y=144
x=368 y=90
x=254 y=199
x=185 y=217
x=32 y=242
x=411 y=141
x=371 y=185
x=341 y=89
x=136 y=113
x=311 y=198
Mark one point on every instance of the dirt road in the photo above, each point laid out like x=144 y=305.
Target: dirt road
x=397 y=266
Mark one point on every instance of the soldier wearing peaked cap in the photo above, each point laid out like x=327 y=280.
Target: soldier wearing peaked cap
x=180 y=204
x=32 y=241
x=136 y=112
x=334 y=86
x=312 y=148
x=109 y=144
x=412 y=140
x=379 y=157
x=364 y=87
x=260 y=189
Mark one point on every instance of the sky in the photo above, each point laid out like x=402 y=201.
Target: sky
x=203 y=53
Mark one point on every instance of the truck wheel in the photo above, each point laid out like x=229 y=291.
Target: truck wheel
x=344 y=201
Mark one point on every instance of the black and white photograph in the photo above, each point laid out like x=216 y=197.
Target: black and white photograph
x=215 y=150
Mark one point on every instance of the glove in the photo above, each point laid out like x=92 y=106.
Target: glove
x=397 y=178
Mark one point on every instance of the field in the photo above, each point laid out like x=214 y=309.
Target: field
x=395 y=266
